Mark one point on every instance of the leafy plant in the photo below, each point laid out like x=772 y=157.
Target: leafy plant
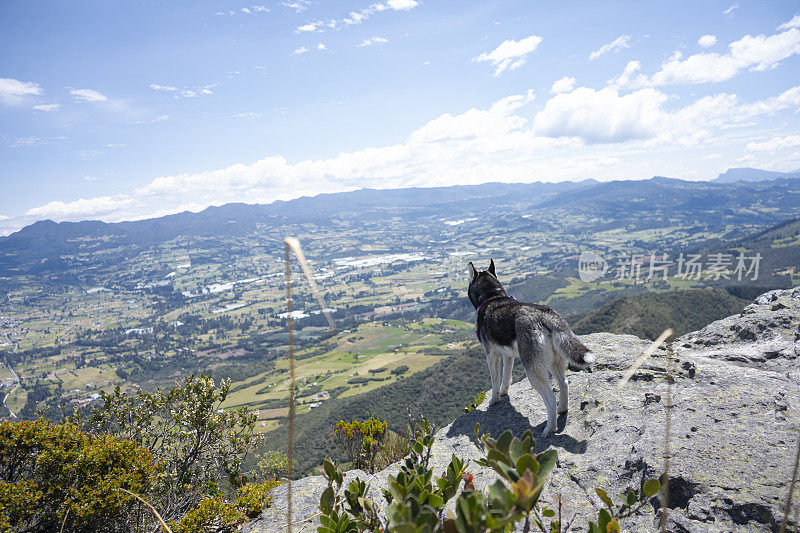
x=57 y=477
x=361 y=440
x=417 y=500
x=274 y=465
x=630 y=503
x=198 y=445
x=475 y=402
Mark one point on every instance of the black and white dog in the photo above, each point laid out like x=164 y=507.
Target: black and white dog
x=537 y=334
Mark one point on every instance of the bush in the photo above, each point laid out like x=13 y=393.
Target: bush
x=275 y=465
x=57 y=474
x=400 y=370
x=199 y=446
x=361 y=441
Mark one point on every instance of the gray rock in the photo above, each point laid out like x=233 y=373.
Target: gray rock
x=734 y=428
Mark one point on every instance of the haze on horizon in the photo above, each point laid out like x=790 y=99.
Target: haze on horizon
x=120 y=112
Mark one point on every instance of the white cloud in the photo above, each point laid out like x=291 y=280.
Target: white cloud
x=87 y=95
x=47 y=107
x=775 y=144
x=564 y=85
x=298 y=5
x=623 y=41
x=321 y=46
x=794 y=23
x=731 y=9
x=14 y=91
x=755 y=53
x=505 y=141
x=310 y=27
x=372 y=40
x=707 y=41
x=298 y=51
x=84 y=207
x=357 y=17
x=157 y=87
x=402 y=5
x=185 y=92
x=510 y=54
x=159 y=118
x=601 y=116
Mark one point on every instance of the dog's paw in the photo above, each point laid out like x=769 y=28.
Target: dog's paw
x=563 y=409
x=547 y=432
x=503 y=393
x=494 y=400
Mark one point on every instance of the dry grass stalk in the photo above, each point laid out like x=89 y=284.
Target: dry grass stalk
x=293 y=245
x=163 y=523
x=788 y=508
x=667 y=430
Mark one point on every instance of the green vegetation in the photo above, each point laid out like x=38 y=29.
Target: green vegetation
x=416 y=500
x=645 y=315
x=174 y=449
x=55 y=476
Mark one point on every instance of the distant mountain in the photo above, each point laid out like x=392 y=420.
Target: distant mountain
x=589 y=205
x=48 y=240
x=732 y=175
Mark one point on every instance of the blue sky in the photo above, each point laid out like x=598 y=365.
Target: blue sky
x=123 y=110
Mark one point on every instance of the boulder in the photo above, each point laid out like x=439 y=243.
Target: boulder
x=732 y=441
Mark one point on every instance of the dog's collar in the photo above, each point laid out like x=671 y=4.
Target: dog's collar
x=478 y=310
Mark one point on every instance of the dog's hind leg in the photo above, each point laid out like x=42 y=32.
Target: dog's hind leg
x=559 y=371
x=495 y=360
x=508 y=368
x=537 y=358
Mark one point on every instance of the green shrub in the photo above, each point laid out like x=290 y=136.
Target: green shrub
x=56 y=474
x=416 y=501
x=400 y=370
x=199 y=446
x=274 y=465
x=361 y=441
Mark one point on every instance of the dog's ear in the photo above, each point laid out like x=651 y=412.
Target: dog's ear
x=490 y=270
x=472 y=271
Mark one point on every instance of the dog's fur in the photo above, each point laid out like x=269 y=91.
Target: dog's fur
x=537 y=334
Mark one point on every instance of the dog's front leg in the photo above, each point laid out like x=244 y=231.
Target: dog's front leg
x=495 y=360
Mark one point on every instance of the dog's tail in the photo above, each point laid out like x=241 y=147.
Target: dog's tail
x=571 y=348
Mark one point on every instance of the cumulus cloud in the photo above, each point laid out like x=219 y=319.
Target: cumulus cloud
x=755 y=53
x=510 y=54
x=14 y=91
x=321 y=46
x=84 y=207
x=775 y=144
x=505 y=141
x=564 y=85
x=601 y=116
x=299 y=51
x=87 y=95
x=793 y=23
x=357 y=17
x=707 y=41
x=372 y=40
x=623 y=41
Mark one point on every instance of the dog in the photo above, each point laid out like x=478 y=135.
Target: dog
x=535 y=333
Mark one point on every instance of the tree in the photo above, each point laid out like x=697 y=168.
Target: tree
x=199 y=446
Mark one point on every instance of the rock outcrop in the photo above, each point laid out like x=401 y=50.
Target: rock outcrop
x=734 y=428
